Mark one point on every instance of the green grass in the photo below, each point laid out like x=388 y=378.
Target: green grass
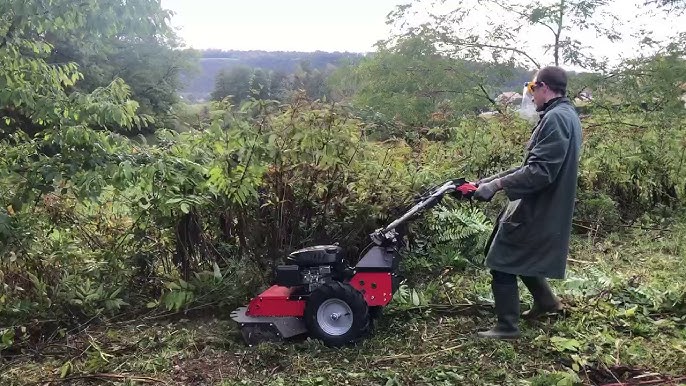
x=626 y=315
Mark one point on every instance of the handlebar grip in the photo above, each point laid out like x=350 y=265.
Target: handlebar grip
x=466 y=189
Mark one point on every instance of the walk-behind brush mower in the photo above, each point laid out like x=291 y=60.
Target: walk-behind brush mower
x=316 y=292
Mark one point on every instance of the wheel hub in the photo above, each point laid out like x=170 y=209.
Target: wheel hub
x=335 y=317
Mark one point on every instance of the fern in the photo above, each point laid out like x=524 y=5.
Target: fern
x=453 y=235
x=457 y=224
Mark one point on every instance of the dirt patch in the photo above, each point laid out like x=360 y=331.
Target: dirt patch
x=204 y=370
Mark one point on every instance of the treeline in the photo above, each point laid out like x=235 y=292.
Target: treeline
x=199 y=84
x=242 y=83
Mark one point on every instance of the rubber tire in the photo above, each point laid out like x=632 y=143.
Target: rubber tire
x=353 y=298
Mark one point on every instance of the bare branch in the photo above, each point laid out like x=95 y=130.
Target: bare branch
x=495 y=104
x=512 y=49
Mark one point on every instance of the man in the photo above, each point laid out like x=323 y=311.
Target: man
x=531 y=236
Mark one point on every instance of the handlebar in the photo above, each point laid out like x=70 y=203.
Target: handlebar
x=458 y=187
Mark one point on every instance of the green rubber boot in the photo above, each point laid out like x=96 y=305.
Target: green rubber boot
x=545 y=302
x=506 y=298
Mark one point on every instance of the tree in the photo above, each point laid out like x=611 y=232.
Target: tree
x=311 y=80
x=107 y=40
x=143 y=51
x=278 y=85
x=504 y=28
x=260 y=85
x=677 y=6
x=53 y=133
x=411 y=82
x=37 y=94
x=235 y=82
x=242 y=82
x=345 y=82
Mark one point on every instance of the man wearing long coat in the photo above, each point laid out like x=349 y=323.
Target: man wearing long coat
x=531 y=236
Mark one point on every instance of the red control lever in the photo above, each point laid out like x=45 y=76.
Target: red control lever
x=466 y=189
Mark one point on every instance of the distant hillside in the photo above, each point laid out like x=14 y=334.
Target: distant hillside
x=200 y=85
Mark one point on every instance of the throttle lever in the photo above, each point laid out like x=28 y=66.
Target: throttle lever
x=466 y=189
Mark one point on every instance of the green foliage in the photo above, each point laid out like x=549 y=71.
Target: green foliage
x=6 y=338
x=500 y=38
x=410 y=297
x=130 y=40
x=457 y=225
x=48 y=48
x=89 y=297
x=596 y=337
x=558 y=378
x=236 y=83
x=93 y=223
x=453 y=237
x=242 y=83
x=596 y=211
x=410 y=84
x=180 y=294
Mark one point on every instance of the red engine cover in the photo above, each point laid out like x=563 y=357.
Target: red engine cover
x=376 y=287
x=276 y=301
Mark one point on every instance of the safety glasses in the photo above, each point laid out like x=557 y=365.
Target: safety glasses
x=532 y=86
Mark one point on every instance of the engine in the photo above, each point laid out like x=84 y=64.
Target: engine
x=313 y=266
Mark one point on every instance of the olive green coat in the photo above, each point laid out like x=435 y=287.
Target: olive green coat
x=531 y=236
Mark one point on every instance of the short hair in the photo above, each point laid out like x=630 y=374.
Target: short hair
x=555 y=77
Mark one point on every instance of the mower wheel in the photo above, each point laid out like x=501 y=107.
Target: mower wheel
x=337 y=314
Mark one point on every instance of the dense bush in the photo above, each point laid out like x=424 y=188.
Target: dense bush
x=205 y=214
x=217 y=206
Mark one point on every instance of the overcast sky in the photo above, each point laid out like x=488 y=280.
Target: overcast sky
x=282 y=25
x=338 y=25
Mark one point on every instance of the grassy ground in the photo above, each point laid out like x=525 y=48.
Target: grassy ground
x=625 y=321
